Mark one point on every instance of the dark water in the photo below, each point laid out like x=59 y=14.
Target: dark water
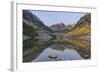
x=37 y=51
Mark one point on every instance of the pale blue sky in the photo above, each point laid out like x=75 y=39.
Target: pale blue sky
x=50 y=18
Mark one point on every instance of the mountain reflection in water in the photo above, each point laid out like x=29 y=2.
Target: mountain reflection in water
x=52 y=51
x=67 y=54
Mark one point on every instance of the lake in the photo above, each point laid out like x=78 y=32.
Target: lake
x=52 y=51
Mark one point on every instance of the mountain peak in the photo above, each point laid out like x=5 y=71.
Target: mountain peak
x=86 y=19
x=59 y=27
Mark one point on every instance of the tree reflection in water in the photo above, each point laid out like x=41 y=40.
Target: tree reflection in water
x=35 y=50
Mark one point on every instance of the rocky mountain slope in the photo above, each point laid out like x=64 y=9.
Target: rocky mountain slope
x=82 y=27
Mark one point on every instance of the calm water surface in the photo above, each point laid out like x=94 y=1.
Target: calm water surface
x=50 y=54
x=49 y=51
